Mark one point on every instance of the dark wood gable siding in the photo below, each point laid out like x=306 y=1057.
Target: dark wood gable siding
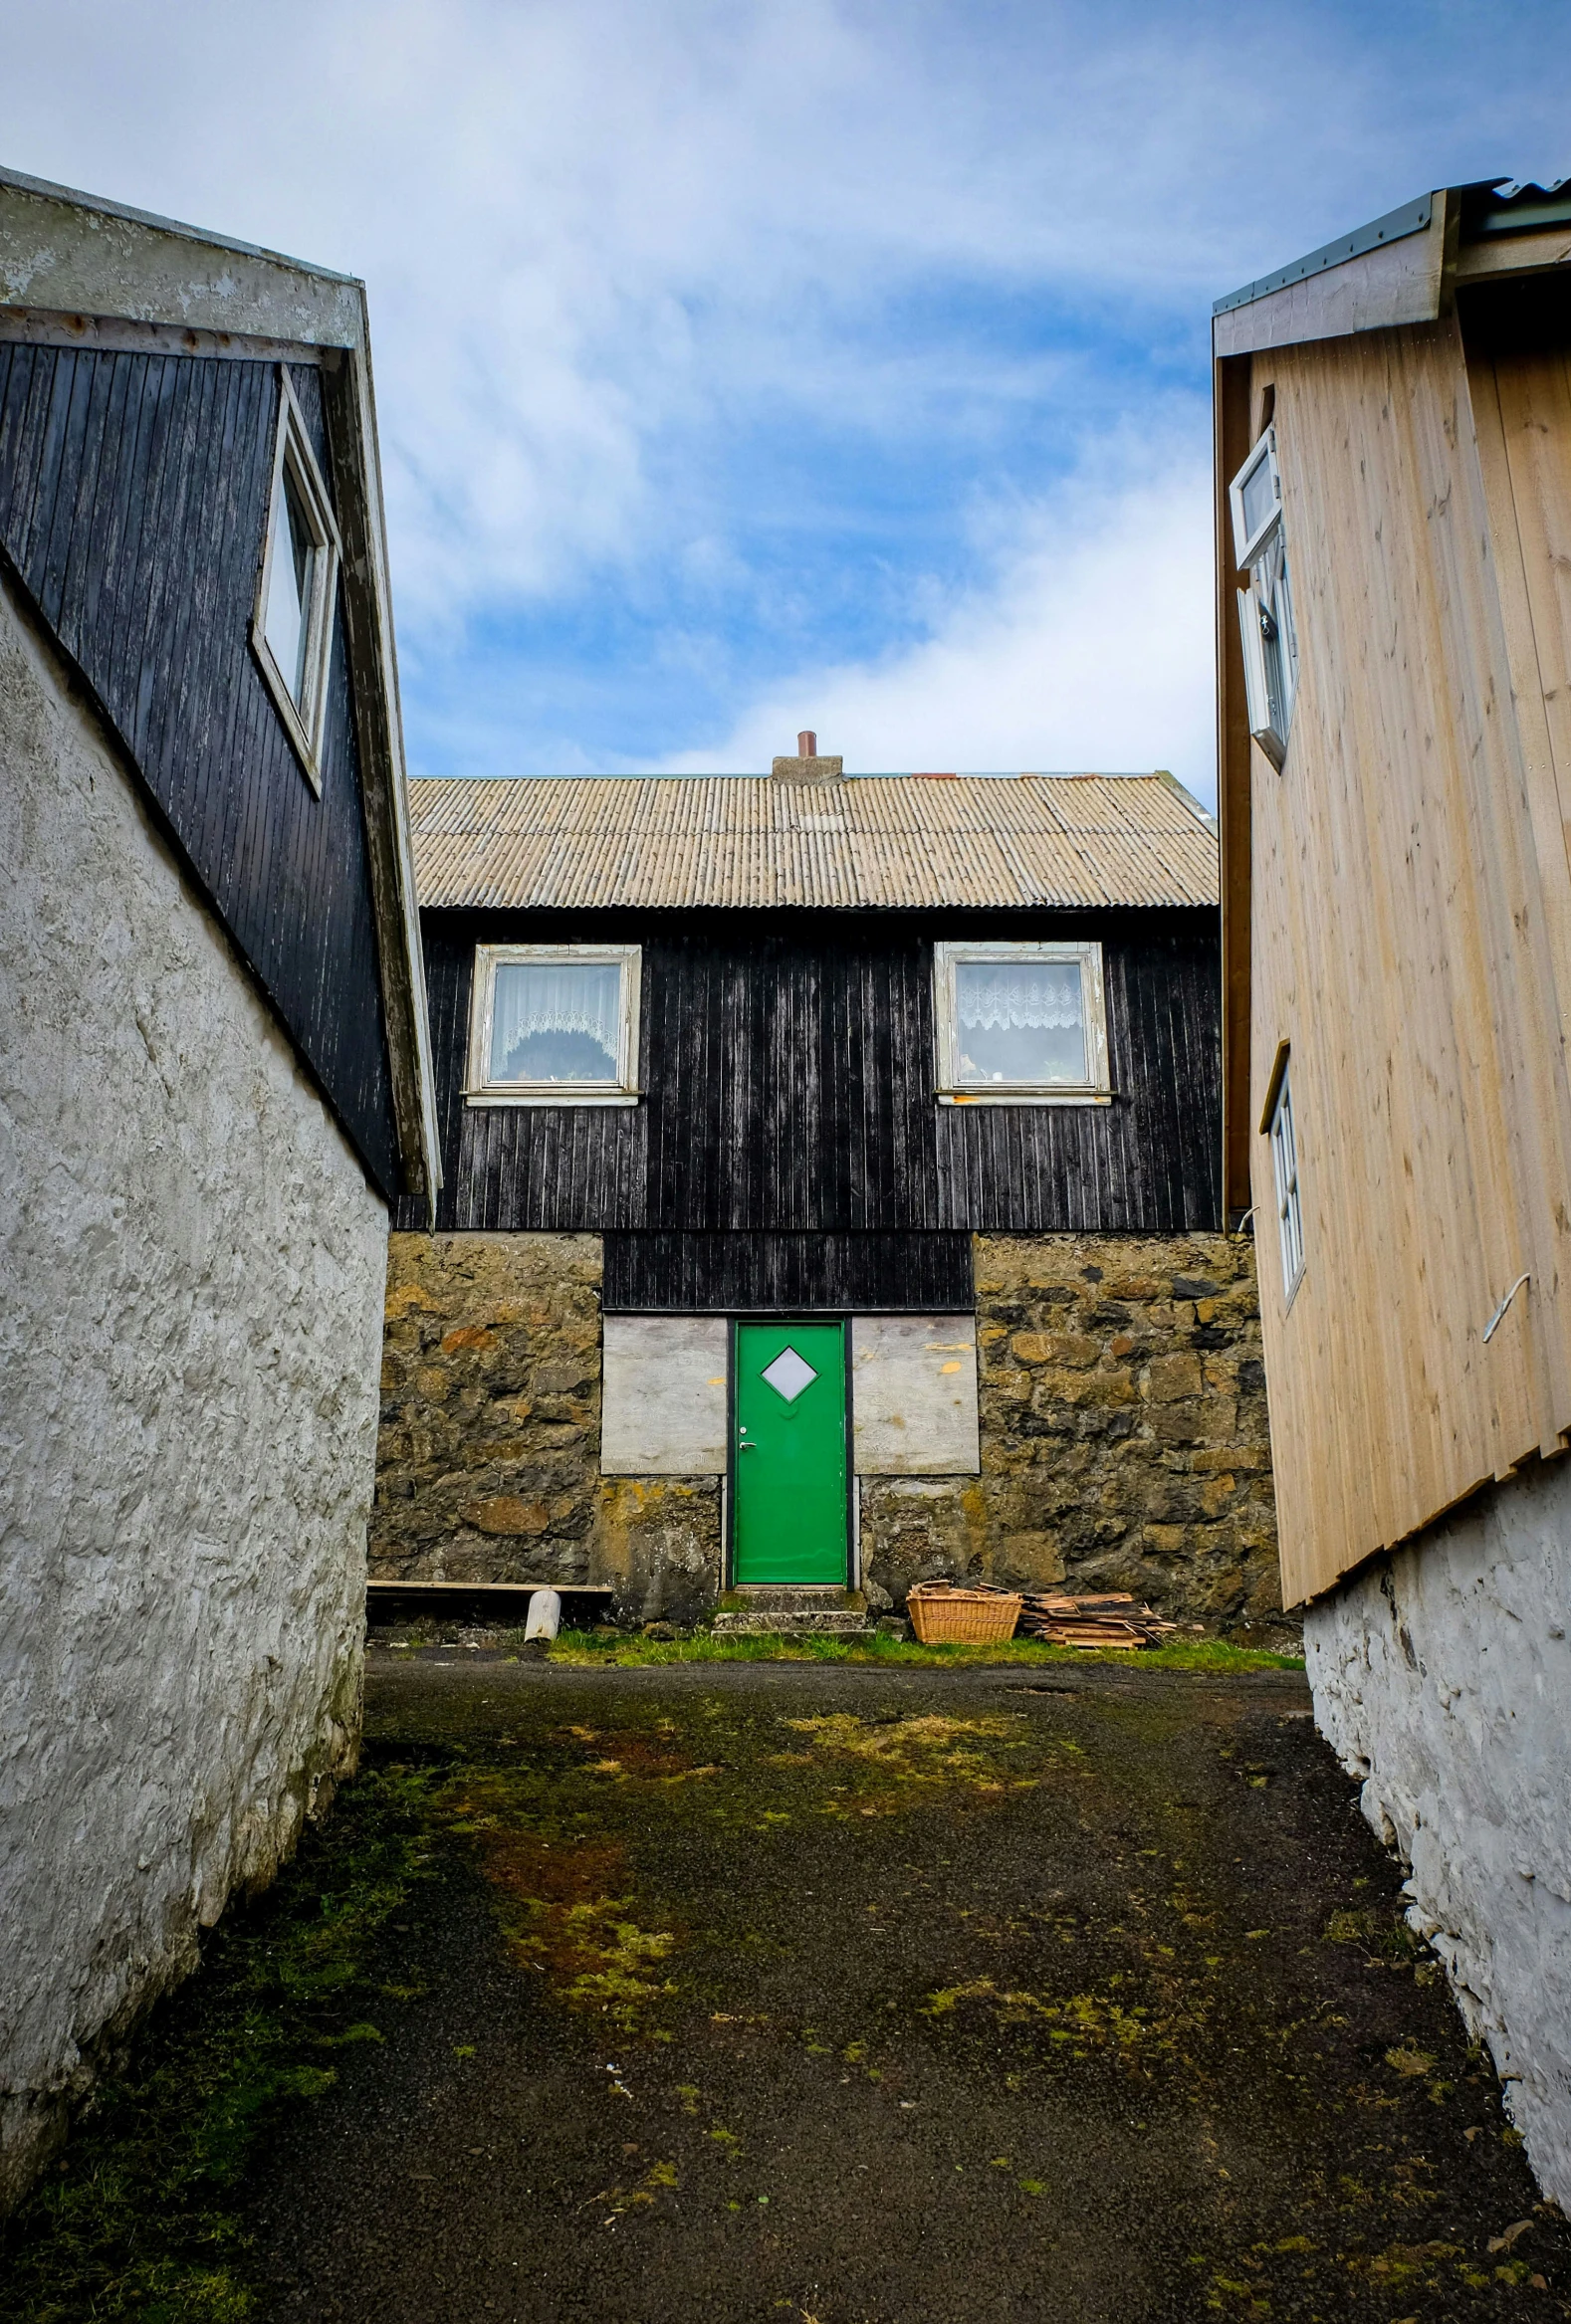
x=133 y=493
x=789 y=1136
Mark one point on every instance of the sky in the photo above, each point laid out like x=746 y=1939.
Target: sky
x=744 y=367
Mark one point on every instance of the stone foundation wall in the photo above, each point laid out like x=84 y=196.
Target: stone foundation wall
x=1124 y=1435
x=489 y=1464
x=661 y=1548
x=488 y=1468
x=1124 y=1441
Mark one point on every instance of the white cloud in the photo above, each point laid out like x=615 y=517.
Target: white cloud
x=1089 y=650
x=591 y=226
x=603 y=239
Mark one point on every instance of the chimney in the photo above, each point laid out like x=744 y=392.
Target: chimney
x=808 y=766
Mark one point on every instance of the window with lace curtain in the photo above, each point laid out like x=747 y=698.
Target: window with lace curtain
x=1020 y=1024
x=554 y=1026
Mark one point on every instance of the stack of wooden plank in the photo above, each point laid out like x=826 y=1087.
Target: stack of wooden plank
x=1112 y=1620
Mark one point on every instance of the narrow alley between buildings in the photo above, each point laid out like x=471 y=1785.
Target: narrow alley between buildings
x=813 y=1993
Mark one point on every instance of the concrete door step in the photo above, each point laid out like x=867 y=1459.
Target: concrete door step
x=791 y=1625
x=809 y=1611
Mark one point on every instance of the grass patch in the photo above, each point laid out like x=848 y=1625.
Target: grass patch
x=586 y=1649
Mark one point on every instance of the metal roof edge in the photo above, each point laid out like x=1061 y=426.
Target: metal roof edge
x=1201 y=811
x=1411 y=218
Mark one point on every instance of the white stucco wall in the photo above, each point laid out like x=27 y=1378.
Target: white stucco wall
x=1442 y=1678
x=193 y=1266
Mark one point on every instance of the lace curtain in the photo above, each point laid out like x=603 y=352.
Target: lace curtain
x=1002 y=996
x=546 y=996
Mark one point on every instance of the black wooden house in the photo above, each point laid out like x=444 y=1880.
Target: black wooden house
x=214 y=1083
x=793 y=1067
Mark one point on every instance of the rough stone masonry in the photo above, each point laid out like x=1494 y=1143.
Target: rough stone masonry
x=1123 y=1434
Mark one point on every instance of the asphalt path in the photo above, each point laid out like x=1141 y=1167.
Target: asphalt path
x=772 y=1992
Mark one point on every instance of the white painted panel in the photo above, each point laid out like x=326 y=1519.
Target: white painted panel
x=663 y=1407
x=914 y=1396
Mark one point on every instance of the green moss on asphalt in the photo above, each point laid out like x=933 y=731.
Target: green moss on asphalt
x=140 y=2218
x=590 y=1649
x=1126 y=1938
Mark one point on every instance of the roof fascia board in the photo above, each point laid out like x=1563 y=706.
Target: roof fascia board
x=1397 y=281
x=368 y=608
x=41 y=326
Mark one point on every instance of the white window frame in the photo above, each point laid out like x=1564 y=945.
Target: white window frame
x=294 y=462
x=1265 y=608
x=1277 y=1123
x=1248 y=547
x=480 y=1090
x=1096 y=1090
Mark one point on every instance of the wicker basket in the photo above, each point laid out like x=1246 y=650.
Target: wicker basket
x=944 y=1616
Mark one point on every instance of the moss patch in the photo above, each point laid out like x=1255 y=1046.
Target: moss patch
x=588 y=1649
x=142 y=2217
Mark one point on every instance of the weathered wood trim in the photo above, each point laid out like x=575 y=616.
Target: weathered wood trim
x=44 y=326
x=368 y=614
x=480 y=1090
x=1230 y=421
x=78 y=254
x=952 y=1091
x=1504 y=255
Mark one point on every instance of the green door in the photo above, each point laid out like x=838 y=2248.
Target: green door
x=791 y=1505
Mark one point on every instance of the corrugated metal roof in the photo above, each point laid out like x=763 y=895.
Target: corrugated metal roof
x=878 y=841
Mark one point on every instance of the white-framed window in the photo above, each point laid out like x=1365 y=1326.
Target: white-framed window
x=554 y=1026
x=1266 y=607
x=1278 y=1127
x=1020 y=1024
x=297 y=588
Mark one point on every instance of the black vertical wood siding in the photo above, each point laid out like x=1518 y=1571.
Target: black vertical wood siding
x=787 y=1061
x=134 y=495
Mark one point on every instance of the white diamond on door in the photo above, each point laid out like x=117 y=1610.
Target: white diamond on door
x=789 y=1373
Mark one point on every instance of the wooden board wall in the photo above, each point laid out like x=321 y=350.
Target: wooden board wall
x=1411 y=937
x=788 y=1066
x=133 y=494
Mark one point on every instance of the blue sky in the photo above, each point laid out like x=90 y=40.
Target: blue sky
x=744 y=367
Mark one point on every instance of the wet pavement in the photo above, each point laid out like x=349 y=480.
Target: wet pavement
x=787 y=1992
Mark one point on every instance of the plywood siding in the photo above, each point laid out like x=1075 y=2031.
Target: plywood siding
x=1409 y=940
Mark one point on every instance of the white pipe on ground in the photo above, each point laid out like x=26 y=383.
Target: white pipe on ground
x=544 y=1616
